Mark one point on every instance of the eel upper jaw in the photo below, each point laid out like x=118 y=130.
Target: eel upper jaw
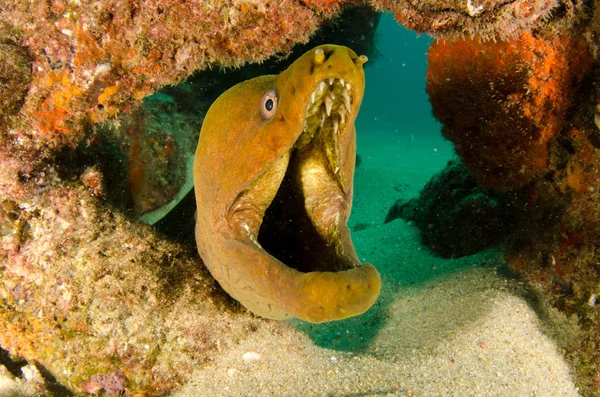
x=327 y=113
x=307 y=182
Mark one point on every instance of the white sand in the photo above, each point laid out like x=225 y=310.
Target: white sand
x=460 y=337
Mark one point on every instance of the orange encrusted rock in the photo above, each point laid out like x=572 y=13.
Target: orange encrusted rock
x=501 y=102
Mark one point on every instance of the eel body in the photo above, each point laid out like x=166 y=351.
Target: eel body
x=273 y=177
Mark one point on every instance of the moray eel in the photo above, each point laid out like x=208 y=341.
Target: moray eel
x=273 y=178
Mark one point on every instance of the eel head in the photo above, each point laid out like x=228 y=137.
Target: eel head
x=274 y=175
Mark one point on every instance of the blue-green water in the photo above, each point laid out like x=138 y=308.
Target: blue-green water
x=395 y=100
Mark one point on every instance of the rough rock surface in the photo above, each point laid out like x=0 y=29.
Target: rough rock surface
x=501 y=103
x=110 y=296
x=92 y=60
x=457 y=217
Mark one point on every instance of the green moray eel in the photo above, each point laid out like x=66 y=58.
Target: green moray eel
x=273 y=177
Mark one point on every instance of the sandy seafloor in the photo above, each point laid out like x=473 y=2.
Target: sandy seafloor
x=441 y=327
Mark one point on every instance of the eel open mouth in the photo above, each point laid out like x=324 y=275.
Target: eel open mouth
x=303 y=222
x=274 y=185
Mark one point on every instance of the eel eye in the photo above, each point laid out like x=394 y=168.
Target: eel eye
x=268 y=105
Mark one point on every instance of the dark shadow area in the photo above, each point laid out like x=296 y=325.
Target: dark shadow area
x=53 y=386
x=14 y=366
x=179 y=224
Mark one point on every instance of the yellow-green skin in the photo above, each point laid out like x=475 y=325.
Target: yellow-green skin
x=236 y=145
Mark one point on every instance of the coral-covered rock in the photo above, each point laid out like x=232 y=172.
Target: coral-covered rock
x=456 y=216
x=100 y=302
x=490 y=19
x=15 y=75
x=92 y=60
x=502 y=102
x=556 y=243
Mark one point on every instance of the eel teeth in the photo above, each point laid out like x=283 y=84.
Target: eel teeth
x=328 y=104
x=322 y=87
x=331 y=96
x=347 y=101
x=342 y=114
x=328 y=110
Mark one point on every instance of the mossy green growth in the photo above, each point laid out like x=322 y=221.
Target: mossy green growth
x=15 y=74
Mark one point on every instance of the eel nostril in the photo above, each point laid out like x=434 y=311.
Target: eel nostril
x=321 y=57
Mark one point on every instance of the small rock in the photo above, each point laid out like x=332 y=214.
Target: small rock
x=114 y=382
x=251 y=357
x=232 y=371
x=32 y=374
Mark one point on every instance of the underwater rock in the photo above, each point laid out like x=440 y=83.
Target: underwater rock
x=490 y=19
x=502 y=102
x=89 y=295
x=15 y=75
x=92 y=61
x=456 y=216
x=145 y=157
x=555 y=244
